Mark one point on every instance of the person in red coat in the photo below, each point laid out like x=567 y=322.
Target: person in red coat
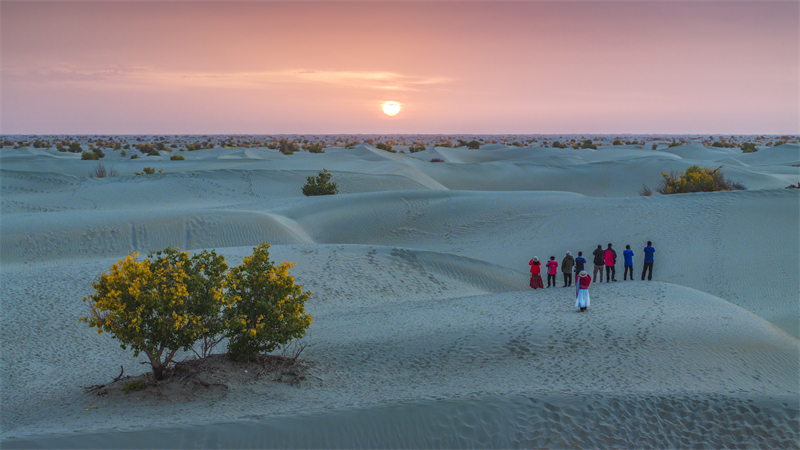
x=536 y=271
x=552 y=266
x=582 y=290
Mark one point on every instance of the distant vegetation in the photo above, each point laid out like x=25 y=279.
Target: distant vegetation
x=177 y=158
x=149 y=171
x=695 y=179
x=89 y=156
x=437 y=160
x=749 y=147
x=413 y=149
x=100 y=171
x=287 y=147
x=320 y=185
x=387 y=147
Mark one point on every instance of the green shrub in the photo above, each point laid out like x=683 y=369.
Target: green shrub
x=674 y=144
x=416 y=149
x=133 y=386
x=38 y=144
x=316 y=148
x=387 y=147
x=588 y=144
x=557 y=144
x=473 y=145
x=696 y=179
x=134 y=156
x=177 y=158
x=287 y=147
x=89 y=156
x=267 y=309
x=749 y=147
x=320 y=185
x=123 y=153
x=99 y=153
x=616 y=142
x=60 y=148
x=153 y=152
x=74 y=147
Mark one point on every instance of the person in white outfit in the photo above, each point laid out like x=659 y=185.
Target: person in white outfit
x=582 y=290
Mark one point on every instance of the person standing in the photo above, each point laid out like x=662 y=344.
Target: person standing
x=582 y=283
x=536 y=273
x=580 y=264
x=566 y=268
x=648 y=261
x=628 y=254
x=610 y=260
x=598 y=263
x=552 y=267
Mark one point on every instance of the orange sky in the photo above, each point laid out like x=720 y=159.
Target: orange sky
x=476 y=67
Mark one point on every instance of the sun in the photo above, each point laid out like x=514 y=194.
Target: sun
x=391 y=108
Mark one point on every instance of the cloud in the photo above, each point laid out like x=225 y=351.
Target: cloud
x=131 y=77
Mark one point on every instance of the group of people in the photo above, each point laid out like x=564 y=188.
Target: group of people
x=602 y=259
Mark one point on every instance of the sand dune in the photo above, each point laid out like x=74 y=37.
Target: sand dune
x=425 y=332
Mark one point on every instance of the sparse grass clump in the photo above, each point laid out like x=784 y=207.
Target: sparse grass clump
x=320 y=185
x=100 y=171
x=437 y=160
x=133 y=386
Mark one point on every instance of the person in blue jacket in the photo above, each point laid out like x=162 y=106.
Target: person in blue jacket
x=648 y=261
x=628 y=254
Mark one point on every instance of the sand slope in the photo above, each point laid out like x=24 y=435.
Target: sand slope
x=425 y=333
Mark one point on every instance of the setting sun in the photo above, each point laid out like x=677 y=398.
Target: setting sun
x=391 y=108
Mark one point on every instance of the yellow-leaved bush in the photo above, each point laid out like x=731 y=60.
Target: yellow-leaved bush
x=170 y=302
x=696 y=179
x=267 y=308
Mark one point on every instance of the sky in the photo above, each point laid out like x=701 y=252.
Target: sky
x=267 y=67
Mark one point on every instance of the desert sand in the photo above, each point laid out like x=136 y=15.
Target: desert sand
x=425 y=331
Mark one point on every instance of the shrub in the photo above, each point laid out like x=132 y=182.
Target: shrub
x=655 y=146
x=316 y=148
x=134 y=156
x=696 y=179
x=177 y=158
x=416 y=149
x=616 y=142
x=60 y=148
x=674 y=144
x=74 y=147
x=89 y=156
x=153 y=152
x=645 y=191
x=749 y=147
x=99 y=153
x=557 y=144
x=38 y=144
x=387 y=147
x=144 y=305
x=123 y=153
x=320 y=185
x=588 y=144
x=100 y=171
x=287 y=147
x=437 y=160
x=473 y=145
x=267 y=309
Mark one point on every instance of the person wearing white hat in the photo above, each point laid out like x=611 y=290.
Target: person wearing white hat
x=582 y=290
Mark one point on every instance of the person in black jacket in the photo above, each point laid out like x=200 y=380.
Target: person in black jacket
x=598 y=263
